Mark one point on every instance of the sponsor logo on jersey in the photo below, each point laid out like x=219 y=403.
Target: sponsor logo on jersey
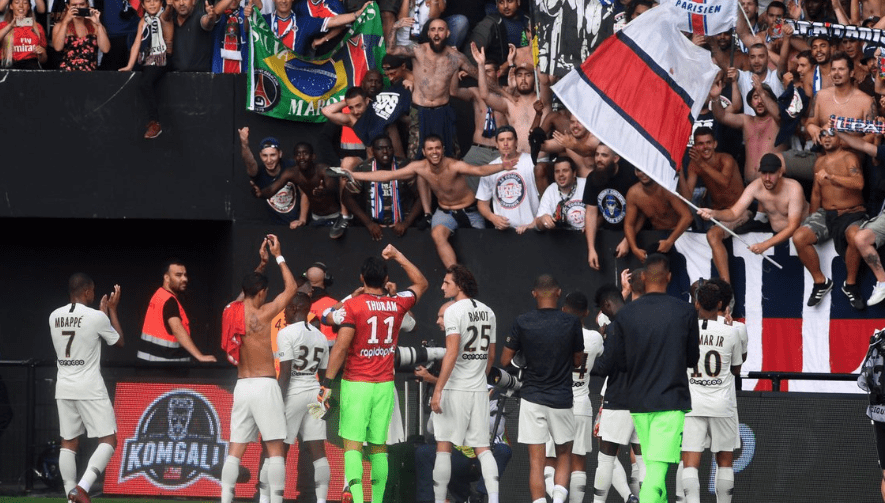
x=468 y=356
x=705 y=382
x=612 y=205
x=71 y=363
x=382 y=352
x=177 y=442
x=511 y=190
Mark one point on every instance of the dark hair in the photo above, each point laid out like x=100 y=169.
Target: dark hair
x=545 y=283
x=506 y=129
x=709 y=296
x=374 y=272
x=569 y=160
x=657 y=265
x=777 y=5
x=464 y=279
x=355 y=92
x=607 y=293
x=304 y=144
x=631 y=7
x=393 y=60
x=301 y=302
x=253 y=283
x=703 y=131
x=636 y=282
x=433 y=137
x=766 y=88
x=382 y=136
x=726 y=292
x=844 y=57
x=577 y=302
x=171 y=262
x=78 y=282
x=805 y=54
x=757 y=46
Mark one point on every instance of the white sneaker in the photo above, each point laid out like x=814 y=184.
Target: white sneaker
x=878 y=294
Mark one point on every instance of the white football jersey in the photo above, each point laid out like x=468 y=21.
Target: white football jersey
x=711 y=381
x=77 y=332
x=308 y=349
x=475 y=323
x=593 y=346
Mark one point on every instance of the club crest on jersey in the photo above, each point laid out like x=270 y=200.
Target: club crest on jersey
x=177 y=442
x=613 y=205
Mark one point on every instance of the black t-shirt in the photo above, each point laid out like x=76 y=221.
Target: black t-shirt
x=405 y=195
x=285 y=205
x=170 y=310
x=385 y=109
x=652 y=340
x=548 y=339
x=611 y=197
x=192 y=44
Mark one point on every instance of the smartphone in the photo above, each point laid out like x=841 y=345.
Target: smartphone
x=82 y=12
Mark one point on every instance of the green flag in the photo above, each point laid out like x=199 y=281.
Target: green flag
x=289 y=86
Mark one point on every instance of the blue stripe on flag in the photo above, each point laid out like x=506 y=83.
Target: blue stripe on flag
x=655 y=67
x=645 y=134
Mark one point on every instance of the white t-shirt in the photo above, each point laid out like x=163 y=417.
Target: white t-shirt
x=745 y=83
x=77 y=332
x=573 y=209
x=711 y=382
x=308 y=349
x=593 y=346
x=513 y=193
x=476 y=325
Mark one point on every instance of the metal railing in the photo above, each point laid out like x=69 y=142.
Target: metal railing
x=777 y=377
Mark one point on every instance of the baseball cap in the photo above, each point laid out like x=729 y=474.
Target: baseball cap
x=269 y=142
x=869 y=52
x=769 y=163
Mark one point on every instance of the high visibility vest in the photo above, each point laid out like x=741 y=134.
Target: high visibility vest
x=154 y=330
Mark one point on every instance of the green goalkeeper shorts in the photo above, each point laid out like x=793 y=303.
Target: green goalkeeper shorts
x=366 y=408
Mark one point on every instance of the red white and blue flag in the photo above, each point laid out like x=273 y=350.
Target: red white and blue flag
x=704 y=17
x=645 y=110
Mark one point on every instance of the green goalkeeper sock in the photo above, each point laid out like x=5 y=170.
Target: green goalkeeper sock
x=379 y=475
x=353 y=473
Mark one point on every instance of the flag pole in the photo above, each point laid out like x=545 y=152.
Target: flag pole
x=726 y=229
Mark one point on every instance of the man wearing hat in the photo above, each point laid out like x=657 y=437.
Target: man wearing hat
x=782 y=206
x=287 y=205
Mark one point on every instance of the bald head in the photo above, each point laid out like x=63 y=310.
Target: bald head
x=316 y=276
x=442 y=311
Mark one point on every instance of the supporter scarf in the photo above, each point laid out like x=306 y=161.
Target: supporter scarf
x=489 y=126
x=152 y=51
x=274 y=25
x=851 y=125
x=232 y=42
x=833 y=30
x=816 y=81
x=376 y=196
x=559 y=216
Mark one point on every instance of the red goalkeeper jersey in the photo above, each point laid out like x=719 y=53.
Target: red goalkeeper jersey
x=376 y=320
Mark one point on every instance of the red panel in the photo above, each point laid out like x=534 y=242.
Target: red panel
x=849 y=341
x=654 y=106
x=781 y=348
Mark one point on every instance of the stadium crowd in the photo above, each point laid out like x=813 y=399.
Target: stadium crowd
x=764 y=156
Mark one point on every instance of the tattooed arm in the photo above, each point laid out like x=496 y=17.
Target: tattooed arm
x=399 y=50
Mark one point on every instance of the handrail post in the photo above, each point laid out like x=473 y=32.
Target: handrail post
x=775 y=383
x=30 y=416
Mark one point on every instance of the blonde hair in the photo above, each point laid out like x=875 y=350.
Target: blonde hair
x=8 y=40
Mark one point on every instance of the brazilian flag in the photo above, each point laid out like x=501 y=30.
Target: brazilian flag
x=290 y=86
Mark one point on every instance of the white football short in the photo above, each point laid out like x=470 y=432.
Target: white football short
x=538 y=423
x=298 y=419
x=616 y=426
x=583 y=443
x=464 y=419
x=94 y=417
x=723 y=433
x=258 y=408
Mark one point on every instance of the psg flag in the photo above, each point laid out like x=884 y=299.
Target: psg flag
x=645 y=110
x=705 y=17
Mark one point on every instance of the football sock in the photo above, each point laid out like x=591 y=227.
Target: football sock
x=229 y=473
x=489 y=474
x=691 y=485
x=442 y=473
x=577 y=487
x=379 y=475
x=724 y=484
x=602 y=481
x=97 y=463
x=67 y=467
x=322 y=475
x=353 y=474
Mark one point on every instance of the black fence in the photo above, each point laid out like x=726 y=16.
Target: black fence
x=795 y=446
